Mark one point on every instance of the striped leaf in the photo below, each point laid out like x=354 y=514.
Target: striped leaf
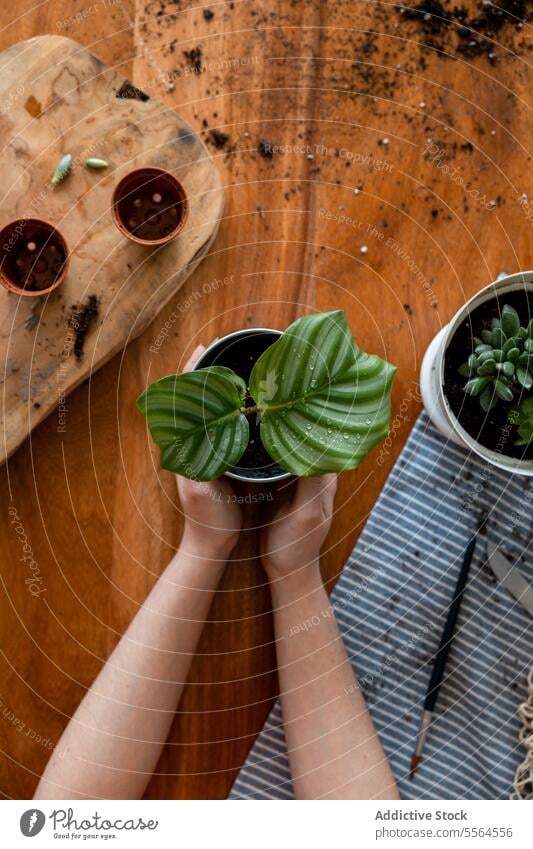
x=195 y=420
x=325 y=403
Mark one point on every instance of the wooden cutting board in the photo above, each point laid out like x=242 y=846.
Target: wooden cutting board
x=55 y=98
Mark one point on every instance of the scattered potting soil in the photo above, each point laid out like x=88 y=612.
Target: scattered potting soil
x=454 y=31
x=36 y=258
x=218 y=138
x=430 y=13
x=383 y=53
x=495 y=15
x=194 y=59
x=128 y=91
x=240 y=355
x=490 y=429
x=81 y=318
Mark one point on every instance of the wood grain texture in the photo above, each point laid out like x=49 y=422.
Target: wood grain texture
x=63 y=99
x=357 y=95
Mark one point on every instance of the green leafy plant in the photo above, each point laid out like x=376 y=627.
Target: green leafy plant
x=500 y=368
x=522 y=417
x=323 y=405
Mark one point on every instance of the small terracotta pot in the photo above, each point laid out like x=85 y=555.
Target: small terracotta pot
x=34 y=257
x=149 y=206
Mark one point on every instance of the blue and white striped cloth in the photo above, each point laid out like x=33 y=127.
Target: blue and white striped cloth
x=390 y=604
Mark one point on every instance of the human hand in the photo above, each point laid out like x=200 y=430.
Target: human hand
x=213 y=517
x=290 y=545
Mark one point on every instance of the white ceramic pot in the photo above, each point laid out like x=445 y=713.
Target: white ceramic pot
x=432 y=377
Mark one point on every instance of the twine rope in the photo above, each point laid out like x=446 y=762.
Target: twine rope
x=523 y=782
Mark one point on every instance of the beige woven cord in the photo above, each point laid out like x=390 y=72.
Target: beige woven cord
x=523 y=782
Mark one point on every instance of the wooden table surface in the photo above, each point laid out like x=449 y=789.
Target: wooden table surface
x=397 y=186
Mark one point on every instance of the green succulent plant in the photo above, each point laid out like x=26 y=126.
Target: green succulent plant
x=323 y=405
x=500 y=368
x=522 y=417
x=63 y=169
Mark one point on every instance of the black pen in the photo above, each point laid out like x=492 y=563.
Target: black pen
x=442 y=655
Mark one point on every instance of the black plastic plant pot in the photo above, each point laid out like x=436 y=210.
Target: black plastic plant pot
x=239 y=352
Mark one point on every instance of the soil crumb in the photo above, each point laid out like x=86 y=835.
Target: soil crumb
x=128 y=91
x=473 y=33
x=194 y=59
x=430 y=13
x=266 y=148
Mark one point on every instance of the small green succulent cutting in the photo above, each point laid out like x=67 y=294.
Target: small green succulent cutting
x=323 y=405
x=500 y=368
x=96 y=164
x=522 y=418
x=63 y=169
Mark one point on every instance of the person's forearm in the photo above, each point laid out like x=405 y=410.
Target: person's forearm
x=334 y=751
x=111 y=747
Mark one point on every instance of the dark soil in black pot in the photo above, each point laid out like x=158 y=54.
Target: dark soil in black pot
x=240 y=353
x=489 y=429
